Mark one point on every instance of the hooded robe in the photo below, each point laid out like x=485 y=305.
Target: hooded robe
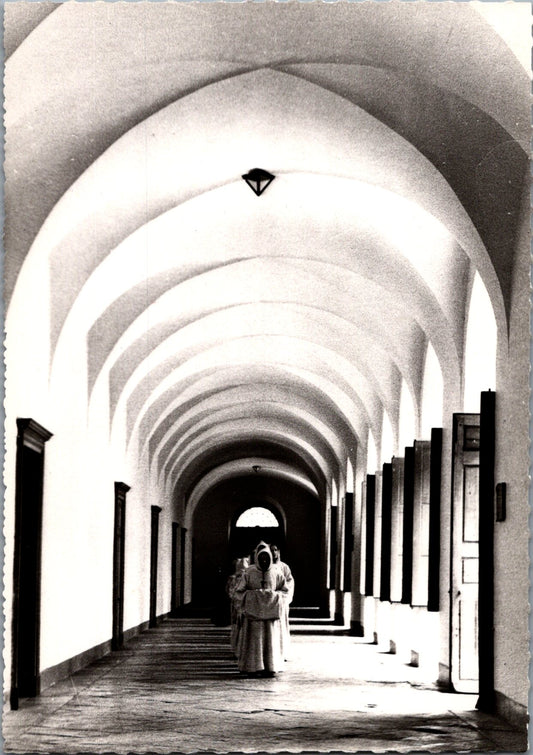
x=241 y=564
x=285 y=570
x=260 y=594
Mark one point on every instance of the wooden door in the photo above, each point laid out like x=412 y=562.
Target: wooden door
x=25 y=668
x=421 y=505
x=333 y=524
x=434 y=560
x=174 y=570
x=386 y=529
x=369 y=496
x=407 y=542
x=348 y=542
x=183 y=543
x=119 y=536
x=465 y=553
x=378 y=488
x=487 y=448
x=154 y=548
x=396 y=557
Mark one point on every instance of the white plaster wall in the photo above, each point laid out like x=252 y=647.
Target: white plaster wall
x=451 y=403
x=369 y=617
x=512 y=465
x=81 y=467
x=137 y=556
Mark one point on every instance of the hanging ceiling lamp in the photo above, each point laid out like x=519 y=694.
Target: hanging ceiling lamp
x=258 y=179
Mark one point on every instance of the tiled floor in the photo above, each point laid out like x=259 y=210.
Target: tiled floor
x=176 y=689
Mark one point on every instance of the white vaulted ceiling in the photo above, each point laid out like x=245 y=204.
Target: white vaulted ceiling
x=228 y=327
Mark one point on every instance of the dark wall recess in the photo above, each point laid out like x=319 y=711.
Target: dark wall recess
x=154 y=548
x=408 y=503
x=119 y=538
x=25 y=664
x=370 y=524
x=434 y=520
x=348 y=542
x=487 y=436
x=386 y=528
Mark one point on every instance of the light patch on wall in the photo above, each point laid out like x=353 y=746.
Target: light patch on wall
x=432 y=388
x=407 y=429
x=372 y=456
x=480 y=350
x=387 y=439
x=349 y=477
x=334 y=493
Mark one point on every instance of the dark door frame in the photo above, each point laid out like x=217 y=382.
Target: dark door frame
x=348 y=542
x=487 y=446
x=119 y=536
x=370 y=523
x=154 y=547
x=183 y=543
x=31 y=436
x=333 y=526
x=174 y=594
x=386 y=530
x=435 y=477
x=407 y=524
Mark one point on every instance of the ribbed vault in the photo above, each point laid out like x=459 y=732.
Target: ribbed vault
x=208 y=329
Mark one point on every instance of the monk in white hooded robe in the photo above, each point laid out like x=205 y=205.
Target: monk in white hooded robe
x=261 y=592
x=285 y=570
x=240 y=566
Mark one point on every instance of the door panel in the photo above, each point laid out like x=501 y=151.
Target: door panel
x=333 y=525
x=29 y=583
x=465 y=553
x=183 y=545
x=421 y=523
x=397 y=529
x=174 y=570
x=377 y=533
x=434 y=565
x=386 y=531
x=154 y=549
x=119 y=536
x=369 y=492
x=408 y=525
x=468 y=651
x=25 y=662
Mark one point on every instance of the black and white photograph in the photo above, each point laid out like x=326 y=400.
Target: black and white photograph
x=266 y=293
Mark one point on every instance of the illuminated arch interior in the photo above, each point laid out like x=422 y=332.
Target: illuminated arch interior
x=257 y=516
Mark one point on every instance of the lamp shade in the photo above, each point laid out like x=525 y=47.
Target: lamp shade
x=258 y=179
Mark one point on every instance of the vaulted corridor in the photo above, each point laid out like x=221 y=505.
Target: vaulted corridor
x=176 y=688
x=267 y=276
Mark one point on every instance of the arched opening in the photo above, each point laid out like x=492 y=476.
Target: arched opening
x=432 y=387
x=372 y=454
x=257 y=516
x=350 y=479
x=480 y=347
x=260 y=520
x=217 y=540
x=387 y=439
